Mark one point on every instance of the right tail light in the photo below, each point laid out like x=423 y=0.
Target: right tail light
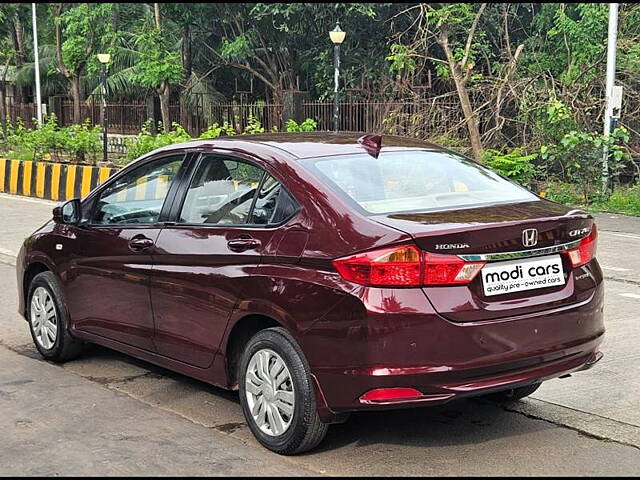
x=586 y=249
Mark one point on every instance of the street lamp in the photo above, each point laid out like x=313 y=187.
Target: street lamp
x=104 y=59
x=337 y=37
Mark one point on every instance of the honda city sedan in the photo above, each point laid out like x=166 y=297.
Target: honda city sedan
x=320 y=274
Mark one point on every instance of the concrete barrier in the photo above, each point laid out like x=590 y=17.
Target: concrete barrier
x=53 y=181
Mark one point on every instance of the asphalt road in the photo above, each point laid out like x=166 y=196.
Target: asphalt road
x=108 y=414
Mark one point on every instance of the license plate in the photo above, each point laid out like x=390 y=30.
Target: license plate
x=519 y=275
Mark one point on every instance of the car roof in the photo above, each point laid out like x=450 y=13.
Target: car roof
x=310 y=144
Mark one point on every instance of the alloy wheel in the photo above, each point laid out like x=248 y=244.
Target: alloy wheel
x=270 y=393
x=44 y=320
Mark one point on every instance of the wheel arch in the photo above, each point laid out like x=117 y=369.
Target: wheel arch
x=242 y=330
x=34 y=268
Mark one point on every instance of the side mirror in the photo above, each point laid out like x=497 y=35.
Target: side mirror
x=68 y=212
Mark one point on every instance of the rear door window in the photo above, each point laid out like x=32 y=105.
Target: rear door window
x=221 y=192
x=274 y=204
x=416 y=180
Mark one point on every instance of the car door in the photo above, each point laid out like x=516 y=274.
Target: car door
x=200 y=263
x=108 y=287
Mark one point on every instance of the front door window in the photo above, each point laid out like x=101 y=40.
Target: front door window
x=137 y=197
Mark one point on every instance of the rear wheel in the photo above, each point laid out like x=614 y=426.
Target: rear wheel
x=48 y=320
x=277 y=395
x=513 y=394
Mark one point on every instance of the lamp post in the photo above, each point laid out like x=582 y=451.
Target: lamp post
x=337 y=37
x=104 y=59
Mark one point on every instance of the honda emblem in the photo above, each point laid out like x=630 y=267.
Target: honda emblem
x=530 y=237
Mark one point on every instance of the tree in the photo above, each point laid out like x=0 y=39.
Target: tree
x=159 y=65
x=81 y=32
x=280 y=45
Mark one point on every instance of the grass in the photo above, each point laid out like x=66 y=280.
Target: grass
x=624 y=199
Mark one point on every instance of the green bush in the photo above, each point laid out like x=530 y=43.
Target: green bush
x=146 y=141
x=215 y=130
x=308 y=125
x=514 y=165
x=577 y=159
x=52 y=142
x=563 y=192
x=81 y=140
x=253 y=126
x=624 y=199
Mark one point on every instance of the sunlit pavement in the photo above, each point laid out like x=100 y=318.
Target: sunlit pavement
x=106 y=413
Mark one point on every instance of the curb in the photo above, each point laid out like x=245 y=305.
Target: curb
x=52 y=181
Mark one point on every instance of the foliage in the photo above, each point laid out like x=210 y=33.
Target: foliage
x=563 y=192
x=157 y=62
x=308 y=125
x=401 y=58
x=80 y=140
x=52 y=142
x=514 y=164
x=146 y=141
x=623 y=199
x=253 y=125
x=214 y=130
x=578 y=159
x=87 y=30
x=555 y=120
x=568 y=40
x=533 y=72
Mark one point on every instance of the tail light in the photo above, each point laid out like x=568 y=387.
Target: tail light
x=399 y=266
x=586 y=249
x=406 y=266
x=449 y=270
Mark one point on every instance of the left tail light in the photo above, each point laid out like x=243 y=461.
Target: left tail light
x=397 y=266
x=406 y=266
x=586 y=250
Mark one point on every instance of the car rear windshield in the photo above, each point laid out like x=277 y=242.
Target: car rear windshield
x=416 y=180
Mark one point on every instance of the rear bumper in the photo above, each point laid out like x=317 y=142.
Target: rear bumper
x=461 y=360
x=438 y=392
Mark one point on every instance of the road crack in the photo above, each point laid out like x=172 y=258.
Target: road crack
x=579 y=430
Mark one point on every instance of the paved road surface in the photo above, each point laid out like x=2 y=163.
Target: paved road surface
x=106 y=413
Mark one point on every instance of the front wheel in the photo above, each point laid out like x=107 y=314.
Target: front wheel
x=48 y=320
x=277 y=395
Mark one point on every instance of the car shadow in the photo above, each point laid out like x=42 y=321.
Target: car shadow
x=461 y=422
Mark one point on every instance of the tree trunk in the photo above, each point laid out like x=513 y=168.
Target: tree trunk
x=76 y=96
x=164 y=92
x=156 y=13
x=3 y=106
x=187 y=64
x=470 y=119
x=16 y=33
x=460 y=79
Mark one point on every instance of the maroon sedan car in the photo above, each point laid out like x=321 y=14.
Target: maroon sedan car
x=320 y=274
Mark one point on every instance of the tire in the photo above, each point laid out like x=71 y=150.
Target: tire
x=303 y=429
x=513 y=394
x=49 y=310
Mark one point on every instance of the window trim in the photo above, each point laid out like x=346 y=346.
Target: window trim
x=185 y=159
x=176 y=207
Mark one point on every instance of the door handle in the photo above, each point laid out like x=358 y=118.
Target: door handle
x=140 y=242
x=243 y=243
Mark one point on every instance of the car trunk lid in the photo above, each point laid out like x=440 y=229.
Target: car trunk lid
x=495 y=233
